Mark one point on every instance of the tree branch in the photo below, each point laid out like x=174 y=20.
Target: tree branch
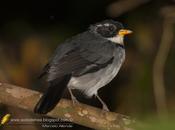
x=81 y=114
x=161 y=57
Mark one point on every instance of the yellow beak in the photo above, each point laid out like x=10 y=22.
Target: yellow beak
x=123 y=32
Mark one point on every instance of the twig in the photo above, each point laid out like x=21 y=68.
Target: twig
x=81 y=114
x=160 y=59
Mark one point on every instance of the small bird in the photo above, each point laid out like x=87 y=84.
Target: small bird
x=86 y=62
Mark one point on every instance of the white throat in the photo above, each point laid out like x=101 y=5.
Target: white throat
x=117 y=39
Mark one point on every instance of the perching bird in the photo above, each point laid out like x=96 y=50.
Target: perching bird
x=86 y=62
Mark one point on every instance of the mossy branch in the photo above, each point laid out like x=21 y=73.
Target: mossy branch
x=80 y=114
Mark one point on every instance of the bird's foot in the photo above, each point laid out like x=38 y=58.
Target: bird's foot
x=105 y=108
x=75 y=101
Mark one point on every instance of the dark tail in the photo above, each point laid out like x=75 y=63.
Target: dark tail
x=52 y=96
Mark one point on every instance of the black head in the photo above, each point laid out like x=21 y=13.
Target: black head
x=106 y=28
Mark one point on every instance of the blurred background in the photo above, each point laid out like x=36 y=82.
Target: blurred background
x=144 y=87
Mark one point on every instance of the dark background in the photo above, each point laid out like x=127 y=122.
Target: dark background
x=30 y=32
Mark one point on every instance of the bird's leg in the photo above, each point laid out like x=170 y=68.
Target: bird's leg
x=103 y=103
x=74 y=100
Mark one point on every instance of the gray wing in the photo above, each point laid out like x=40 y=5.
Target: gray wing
x=80 y=57
x=75 y=63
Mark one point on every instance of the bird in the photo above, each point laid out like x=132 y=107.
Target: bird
x=86 y=62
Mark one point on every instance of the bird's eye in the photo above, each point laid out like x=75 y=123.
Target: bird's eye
x=106 y=30
x=111 y=28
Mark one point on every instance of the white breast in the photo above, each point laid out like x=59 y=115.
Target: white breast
x=91 y=82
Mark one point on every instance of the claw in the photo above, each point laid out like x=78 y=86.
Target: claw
x=105 y=108
x=74 y=100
